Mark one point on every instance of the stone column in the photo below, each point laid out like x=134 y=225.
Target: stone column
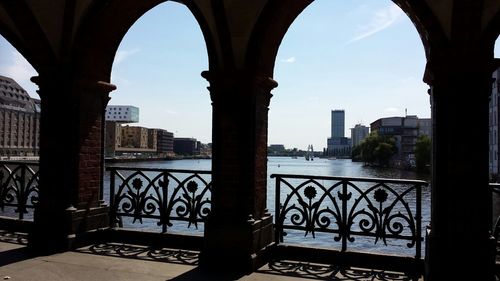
x=460 y=245
x=239 y=227
x=71 y=162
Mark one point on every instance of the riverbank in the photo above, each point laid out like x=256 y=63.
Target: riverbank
x=153 y=159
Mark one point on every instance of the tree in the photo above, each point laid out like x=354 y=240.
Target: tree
x=356 y=153
x=423 y=153
x=384 y=152
x=377 y=150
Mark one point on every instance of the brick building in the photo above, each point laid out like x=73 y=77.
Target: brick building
x=165 y=142
x=186 y=146
x=19 y=120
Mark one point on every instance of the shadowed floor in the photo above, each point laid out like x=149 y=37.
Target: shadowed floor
x=113 y=261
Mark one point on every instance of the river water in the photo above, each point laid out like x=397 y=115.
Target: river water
x=318 y=167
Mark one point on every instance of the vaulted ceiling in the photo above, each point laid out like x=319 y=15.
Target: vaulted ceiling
x=240 y=34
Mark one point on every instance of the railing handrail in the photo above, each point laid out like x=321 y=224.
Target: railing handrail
x=114 y=168
x=385 y=180
x=495 y=187
x=27 y=162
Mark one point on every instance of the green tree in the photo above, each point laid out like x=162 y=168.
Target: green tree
x=384 y=152
x=377 y=150
x=423 y=153
x=356 y=153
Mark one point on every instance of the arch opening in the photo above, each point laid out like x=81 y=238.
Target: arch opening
x=365 y=59
x=160 y=77
x=19 y=105
x=493 y=119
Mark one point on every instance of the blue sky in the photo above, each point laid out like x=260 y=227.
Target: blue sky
x=362 y=56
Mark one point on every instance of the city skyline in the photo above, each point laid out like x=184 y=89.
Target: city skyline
x=336 y=55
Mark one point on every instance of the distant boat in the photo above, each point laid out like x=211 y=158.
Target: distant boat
x=294 y=157
x=332 y=158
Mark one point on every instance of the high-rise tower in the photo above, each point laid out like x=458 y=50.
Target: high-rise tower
x=338 y=123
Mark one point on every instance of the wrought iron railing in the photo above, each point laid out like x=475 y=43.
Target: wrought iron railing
x=495 y=188
x=164 y=196
x=18 y=189
x=495 y=192
x=379 y=209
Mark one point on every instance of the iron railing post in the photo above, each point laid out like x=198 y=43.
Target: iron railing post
x=164 y=200
x=23 y=198
x=112 y=207
x=418 y=218
x=277 y=226
x=343 y=225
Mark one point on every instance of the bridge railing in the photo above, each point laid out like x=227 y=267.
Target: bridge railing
x=377 y=211
x=160 y=197
x=495 y=194
x=18 y=189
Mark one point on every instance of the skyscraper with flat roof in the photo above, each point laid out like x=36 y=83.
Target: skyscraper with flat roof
x=338 y=145
x=338 y=123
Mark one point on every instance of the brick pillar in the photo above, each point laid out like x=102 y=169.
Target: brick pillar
x=239 y=227
x=460 y=245
x=71 y=162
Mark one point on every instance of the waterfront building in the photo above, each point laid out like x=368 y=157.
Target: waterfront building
x=338 y=123
x=205 y=149
x=338 y=145
x=19 y=120
x=425 y=127
x=186 y=146
x=153 y=139
x=113 y=138
x=122 y=113
x=134 y=137
x=493 y=127
x=404 y=130
x=358 y=134
x=165 y=142
x=275 y=149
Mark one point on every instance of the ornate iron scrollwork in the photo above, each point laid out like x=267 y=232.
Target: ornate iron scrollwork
x=350 y=207
x=18 y=187
x=164 y=195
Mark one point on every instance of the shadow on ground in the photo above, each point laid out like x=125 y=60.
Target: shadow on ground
x=13 y=237
x=331 y=272
x=142 y=253
x=18 y=252
x=202 y=275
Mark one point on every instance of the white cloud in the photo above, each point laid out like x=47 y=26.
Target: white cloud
x=381 y=19
x=391 y=109
x=124 y=54
x=290 y=60
x=171 y=112
x=19 y=69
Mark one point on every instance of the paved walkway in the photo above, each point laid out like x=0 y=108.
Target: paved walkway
x=124 y=262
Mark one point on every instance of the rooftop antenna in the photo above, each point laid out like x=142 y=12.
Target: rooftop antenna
x=406 y=112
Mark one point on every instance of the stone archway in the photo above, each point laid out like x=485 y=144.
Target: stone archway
x=74 y=66
x=455 y=56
